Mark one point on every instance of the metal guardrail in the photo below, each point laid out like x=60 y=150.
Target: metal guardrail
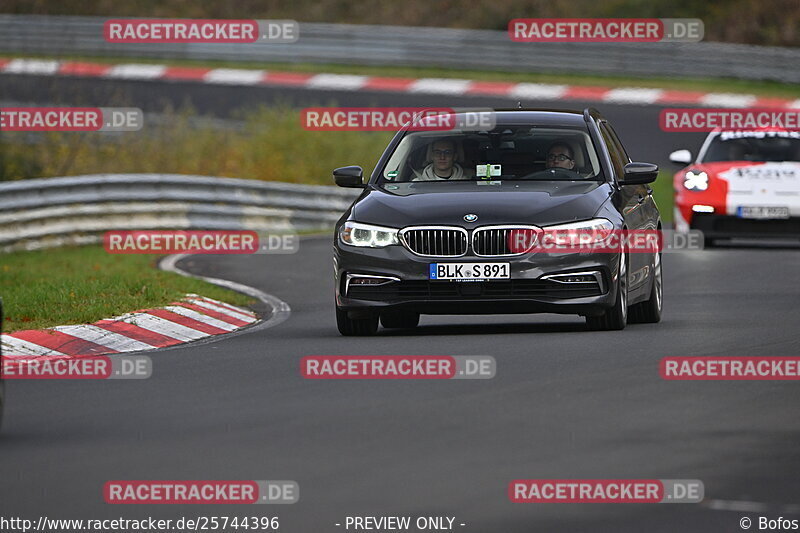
x=43 y=213
x=420 y=46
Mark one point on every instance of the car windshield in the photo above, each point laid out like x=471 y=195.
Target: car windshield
x=505 y=153
x=754 y=146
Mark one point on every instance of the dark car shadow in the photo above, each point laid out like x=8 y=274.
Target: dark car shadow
x=755 y=244
x=484 y=329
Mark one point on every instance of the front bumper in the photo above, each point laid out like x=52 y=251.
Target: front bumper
x=528 y=290
x=715 y=226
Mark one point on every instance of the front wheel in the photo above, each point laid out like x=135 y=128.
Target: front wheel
x=616 y=317
x=649 y=312
x=356 y=327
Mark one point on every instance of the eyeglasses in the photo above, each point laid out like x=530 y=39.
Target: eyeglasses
x=440 y=153
x=560 y=157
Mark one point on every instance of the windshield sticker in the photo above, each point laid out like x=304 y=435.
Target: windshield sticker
x=488 y=171
x=392 y=174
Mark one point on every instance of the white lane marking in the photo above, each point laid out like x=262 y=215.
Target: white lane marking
x=163 y=326
x=633 y=95
x=134 y=71
x=440 y=86
x=742 y=506
x=227 y=306
x=727 y=100
x=223 y=310
x=234 y=76
x=15 y=346
x=545 y=91
x=31 y=66
x=336 y=81
x=103 y=337
x=200 y=317
x=280 y=309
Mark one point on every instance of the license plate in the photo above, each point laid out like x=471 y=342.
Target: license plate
x=469 y=271
x=763 y=212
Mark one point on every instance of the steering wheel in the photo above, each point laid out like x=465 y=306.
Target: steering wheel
x=554 y=173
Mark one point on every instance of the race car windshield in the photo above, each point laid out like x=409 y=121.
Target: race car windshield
x=754 y=146
x=505 y=153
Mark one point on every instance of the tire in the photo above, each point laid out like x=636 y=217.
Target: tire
x=399 y=319
x=649 y=312
x=616 y=317
x=356 y=327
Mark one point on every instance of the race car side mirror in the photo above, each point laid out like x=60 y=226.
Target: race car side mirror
x=352 y=177
x=639 y=174
x=681 y=157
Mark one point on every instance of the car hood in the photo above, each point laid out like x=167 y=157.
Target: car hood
x=542 y=204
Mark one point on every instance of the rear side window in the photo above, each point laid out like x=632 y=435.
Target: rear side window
x=618 y=156
x=620 y=147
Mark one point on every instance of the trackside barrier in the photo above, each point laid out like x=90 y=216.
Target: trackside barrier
x=42 y=213
x=353 y=44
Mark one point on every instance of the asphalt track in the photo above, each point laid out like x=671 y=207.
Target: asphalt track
x=637 y=125
x=566 y=402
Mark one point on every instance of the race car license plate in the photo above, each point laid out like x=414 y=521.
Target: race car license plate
x=469 y=271
x=763 y=212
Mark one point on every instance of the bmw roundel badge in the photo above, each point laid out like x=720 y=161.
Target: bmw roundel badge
x=471 y=217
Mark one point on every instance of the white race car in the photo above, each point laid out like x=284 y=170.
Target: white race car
x=742 y=184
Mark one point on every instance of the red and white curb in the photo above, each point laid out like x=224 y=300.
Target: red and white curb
x=195 y=317
x=525 y=92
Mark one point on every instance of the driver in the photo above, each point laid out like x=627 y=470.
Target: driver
x=443 y=165
x=560 y=155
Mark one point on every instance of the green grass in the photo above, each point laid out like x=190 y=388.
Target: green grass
x=80 y=285
x=724 y=85
x=273 y=146
x=664 y=195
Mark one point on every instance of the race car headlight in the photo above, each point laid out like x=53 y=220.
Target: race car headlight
x=578 y=233
x=367 y=236
x=695 y=181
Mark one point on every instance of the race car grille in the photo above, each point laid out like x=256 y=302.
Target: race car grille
x=486 y=290
x=435 y=241
x=498 y=241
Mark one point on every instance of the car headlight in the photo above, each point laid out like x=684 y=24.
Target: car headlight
x=367 y=235
x=579 y=233
x=695 y=181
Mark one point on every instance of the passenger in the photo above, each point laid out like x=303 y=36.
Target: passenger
x=560 y=155
x=443 y=155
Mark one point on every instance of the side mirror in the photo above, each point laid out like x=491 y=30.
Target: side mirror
x=352 y=177
x=639 y=174
x=681 y=157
